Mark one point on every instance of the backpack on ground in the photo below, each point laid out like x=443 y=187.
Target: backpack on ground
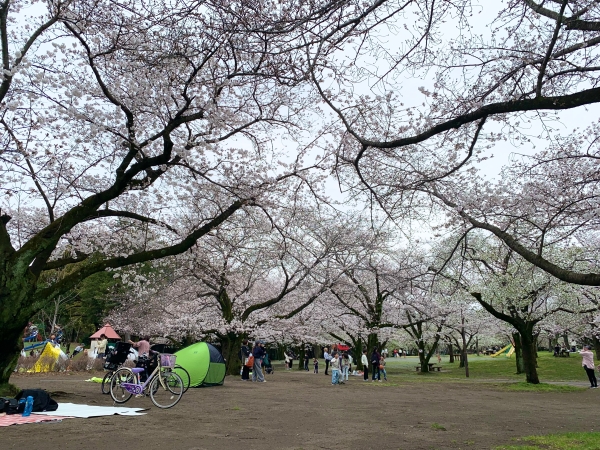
x=41 y=400
x=11 y=406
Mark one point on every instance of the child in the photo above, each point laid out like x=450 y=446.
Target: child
x=335 y=369
x=316 y=364
x=345 y=366
x=382 y=368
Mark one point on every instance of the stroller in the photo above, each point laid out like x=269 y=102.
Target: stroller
x=117 y=356
x=267 y=365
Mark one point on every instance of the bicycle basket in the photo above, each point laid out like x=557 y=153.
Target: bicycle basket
x=167 y=360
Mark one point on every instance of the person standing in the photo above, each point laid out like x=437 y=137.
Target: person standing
x=287 y=358
x=327 y=357
x=258 y=352
x=345 y=366
x=142 y=346
x=244 y=354
x=382 y=368
x=316 y=364
x=375 y=357
x=365 y=363
x=101 y=347
x=335 y=369
x=306 y=358
x=350 y=362
x=588 y=364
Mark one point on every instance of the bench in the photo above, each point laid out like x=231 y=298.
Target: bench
x=432 y=367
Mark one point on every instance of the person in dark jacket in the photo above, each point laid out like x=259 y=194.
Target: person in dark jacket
x=244 y=354
x=375 y=358
x=258 y=352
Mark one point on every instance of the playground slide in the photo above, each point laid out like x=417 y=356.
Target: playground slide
x=512 y=350
x=499 y=352
x=28 y=346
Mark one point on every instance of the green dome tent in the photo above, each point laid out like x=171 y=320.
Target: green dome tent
x=204 y=363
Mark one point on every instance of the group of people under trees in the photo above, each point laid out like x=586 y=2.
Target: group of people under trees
x=255 y=358
x=340 y=362
x=341 y=365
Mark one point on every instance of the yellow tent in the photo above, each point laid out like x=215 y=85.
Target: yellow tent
x=48 y=358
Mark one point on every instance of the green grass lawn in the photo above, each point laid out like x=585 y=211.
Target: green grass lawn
x=486 y=367
x=566 y=441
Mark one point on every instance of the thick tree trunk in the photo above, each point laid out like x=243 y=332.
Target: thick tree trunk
x=230 y=348
x=14 y=317
x=596 y=343
x=423 y=357
x=464 y=361
x=356 y=353
x=300 y=354
x=451 y=353
x=372 y=343
x=518 y=353
x=11 y=343
x=529 y=359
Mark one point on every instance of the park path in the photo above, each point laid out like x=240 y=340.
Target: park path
x=297 y=410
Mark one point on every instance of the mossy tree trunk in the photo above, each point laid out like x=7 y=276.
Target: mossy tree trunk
x=529 y=355
x=518 y=353
x=231 y=345
x=17 y=288
x=451 y=352
x=300 y=353
x=596 y=343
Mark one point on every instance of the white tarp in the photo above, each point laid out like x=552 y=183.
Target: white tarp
x=85 y=411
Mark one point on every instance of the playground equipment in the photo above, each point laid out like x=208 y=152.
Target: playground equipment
x=506 y=350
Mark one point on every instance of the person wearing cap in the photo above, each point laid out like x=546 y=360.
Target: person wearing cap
x=588 y=364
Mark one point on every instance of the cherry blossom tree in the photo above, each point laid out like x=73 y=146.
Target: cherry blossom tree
x=167 y=117
x=462 y=80
x=513 y=291
x=233 y=284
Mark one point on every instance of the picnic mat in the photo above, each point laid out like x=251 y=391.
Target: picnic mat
x=18 y=419
x=85 y=411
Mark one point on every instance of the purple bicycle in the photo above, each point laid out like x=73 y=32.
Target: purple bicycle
x=164 y=386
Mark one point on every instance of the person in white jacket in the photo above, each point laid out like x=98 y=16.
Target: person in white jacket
x=327 y=357
x=287 y=361
x=365 y=363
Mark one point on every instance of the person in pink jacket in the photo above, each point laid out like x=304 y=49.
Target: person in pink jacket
x=588 y=364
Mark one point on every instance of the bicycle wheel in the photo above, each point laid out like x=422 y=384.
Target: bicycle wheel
x=166 y=389
x=117 y=392
x=184 y=375
x=106 y=382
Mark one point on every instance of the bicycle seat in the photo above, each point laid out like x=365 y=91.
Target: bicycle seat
x=138 y=370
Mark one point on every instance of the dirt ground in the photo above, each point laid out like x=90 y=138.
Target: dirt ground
x=302 y=410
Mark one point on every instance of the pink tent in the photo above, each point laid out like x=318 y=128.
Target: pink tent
x=108 y=331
